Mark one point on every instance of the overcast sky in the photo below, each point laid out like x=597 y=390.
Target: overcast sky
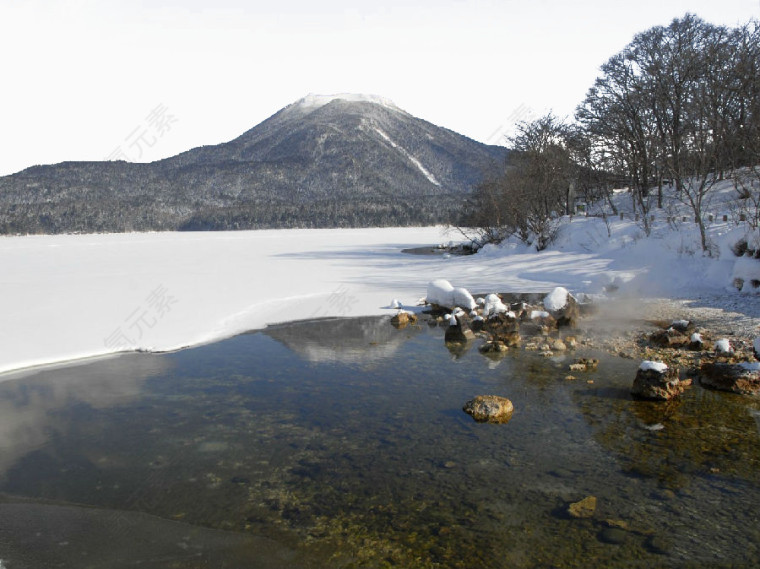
x=143 y=80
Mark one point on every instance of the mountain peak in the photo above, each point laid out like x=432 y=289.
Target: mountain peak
x=314 y=101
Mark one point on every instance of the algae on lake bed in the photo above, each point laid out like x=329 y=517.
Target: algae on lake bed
x=349 y=448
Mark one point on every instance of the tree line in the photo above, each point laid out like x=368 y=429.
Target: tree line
x=678 y=106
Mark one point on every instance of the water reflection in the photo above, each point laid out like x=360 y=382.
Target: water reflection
x=342 y=340
x=30 y=406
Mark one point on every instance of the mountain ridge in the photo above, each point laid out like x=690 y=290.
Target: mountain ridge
x=322 y=161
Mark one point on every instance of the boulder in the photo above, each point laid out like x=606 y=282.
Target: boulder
x=655 y=380
x=742 y=378
x=563 y=307
x=489 y=409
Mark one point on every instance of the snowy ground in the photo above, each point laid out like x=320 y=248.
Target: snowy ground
x=76 y=296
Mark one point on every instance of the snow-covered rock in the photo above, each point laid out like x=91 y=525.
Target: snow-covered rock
x=648 y=365
x=723 y=347
x=562 y=306
x=493 y=306
x=557 y=299
x=655 y=380
x=442 y=293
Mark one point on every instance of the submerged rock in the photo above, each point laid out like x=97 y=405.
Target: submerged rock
x=489 y=409
x=582 y=509
x=493 y=348
x=655 y=380
x=742 y=378
x=584 y=364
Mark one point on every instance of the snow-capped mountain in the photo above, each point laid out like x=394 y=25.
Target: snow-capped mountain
x=325 y=160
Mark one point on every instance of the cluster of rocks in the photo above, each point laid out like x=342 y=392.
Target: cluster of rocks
x=677 y=354
x=532 y=322
x=503 y=324
x=694 y=355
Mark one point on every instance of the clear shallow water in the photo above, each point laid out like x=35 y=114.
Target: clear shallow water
x=342 y=443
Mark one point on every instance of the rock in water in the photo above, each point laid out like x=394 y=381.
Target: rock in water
x=403 y=319
x=459 y=329
x=489 y=409
x=583 y=509
x=742 y=378
x=654 y=380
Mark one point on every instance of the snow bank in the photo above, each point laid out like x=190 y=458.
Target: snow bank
x=442 y=293
x=659 y=367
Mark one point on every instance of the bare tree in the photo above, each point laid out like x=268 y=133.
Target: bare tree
x=534 y=189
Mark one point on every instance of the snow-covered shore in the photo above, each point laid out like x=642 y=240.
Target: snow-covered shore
x=68 y=297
